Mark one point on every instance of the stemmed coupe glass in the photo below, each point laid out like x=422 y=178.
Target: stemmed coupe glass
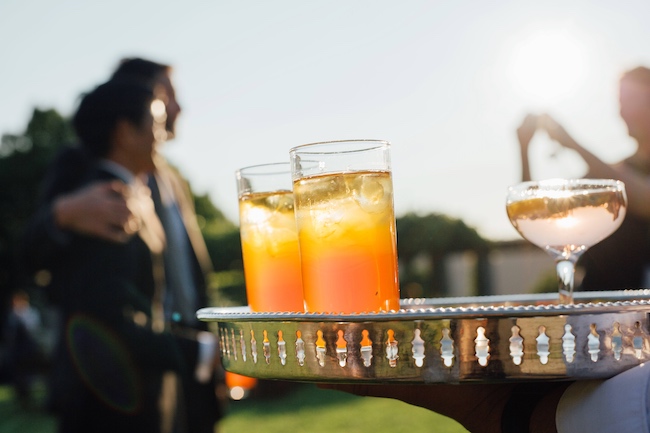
x=565 y=217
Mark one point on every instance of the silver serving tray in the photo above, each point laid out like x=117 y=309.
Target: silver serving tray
x=446 y=340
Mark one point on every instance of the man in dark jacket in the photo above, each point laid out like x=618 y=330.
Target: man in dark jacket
x=99 y=210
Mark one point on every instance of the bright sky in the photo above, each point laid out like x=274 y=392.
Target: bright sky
x=447 y=83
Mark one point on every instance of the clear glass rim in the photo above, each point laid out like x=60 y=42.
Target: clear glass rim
x=562 y=182
x=270 y=169
x=358 y=145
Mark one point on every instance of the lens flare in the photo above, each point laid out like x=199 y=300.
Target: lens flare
x=104 y=363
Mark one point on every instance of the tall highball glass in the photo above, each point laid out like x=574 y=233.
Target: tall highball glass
x=269 y=238
x=343 y=192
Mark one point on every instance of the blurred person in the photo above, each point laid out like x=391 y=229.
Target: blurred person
x=116 y=367
x=100 y=210
x=187 y=262
x=622 y=260
x=25 y=356
x=620 y=404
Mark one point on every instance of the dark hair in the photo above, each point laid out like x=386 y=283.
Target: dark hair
x=101 y=109
x=136 y=68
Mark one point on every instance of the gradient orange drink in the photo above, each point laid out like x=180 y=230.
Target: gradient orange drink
x=269 y=239
x=346 y=222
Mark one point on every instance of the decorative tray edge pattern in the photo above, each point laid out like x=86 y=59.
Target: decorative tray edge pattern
x=448 y=340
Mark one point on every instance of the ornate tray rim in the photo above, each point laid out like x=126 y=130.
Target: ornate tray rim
x=518 y=305
x=444 y=340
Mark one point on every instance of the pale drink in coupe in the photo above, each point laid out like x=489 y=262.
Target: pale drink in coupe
x=568 y=219
x=348 y=241
x=270 y=251
x=565 y=217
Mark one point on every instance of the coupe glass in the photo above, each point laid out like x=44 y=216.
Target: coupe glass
x=565 y=217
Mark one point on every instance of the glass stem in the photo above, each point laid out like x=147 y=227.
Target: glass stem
x=565 y=273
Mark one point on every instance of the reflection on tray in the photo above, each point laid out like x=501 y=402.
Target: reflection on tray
x=451 y=340
x=528 y=299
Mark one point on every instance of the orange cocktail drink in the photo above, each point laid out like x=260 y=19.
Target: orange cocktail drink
x=346 y=225
x=269 y=239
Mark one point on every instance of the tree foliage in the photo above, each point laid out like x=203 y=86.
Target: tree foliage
x=430 y=239
x=23 y=162
x=436 y=234
x=211 y=220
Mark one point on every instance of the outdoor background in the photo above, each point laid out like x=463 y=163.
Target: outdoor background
x=447 y=83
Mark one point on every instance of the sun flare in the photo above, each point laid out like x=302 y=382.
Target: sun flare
x=547 y=66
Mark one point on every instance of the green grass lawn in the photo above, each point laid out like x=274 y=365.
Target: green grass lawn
x=13 y=419
x=305 y=408
x=310 y=409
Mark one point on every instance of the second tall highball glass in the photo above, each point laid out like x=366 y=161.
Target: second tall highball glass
x=269 y=238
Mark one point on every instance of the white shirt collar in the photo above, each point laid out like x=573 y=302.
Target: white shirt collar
x=121 y=172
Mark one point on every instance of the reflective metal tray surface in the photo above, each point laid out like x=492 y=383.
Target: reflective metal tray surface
x=445 y=340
